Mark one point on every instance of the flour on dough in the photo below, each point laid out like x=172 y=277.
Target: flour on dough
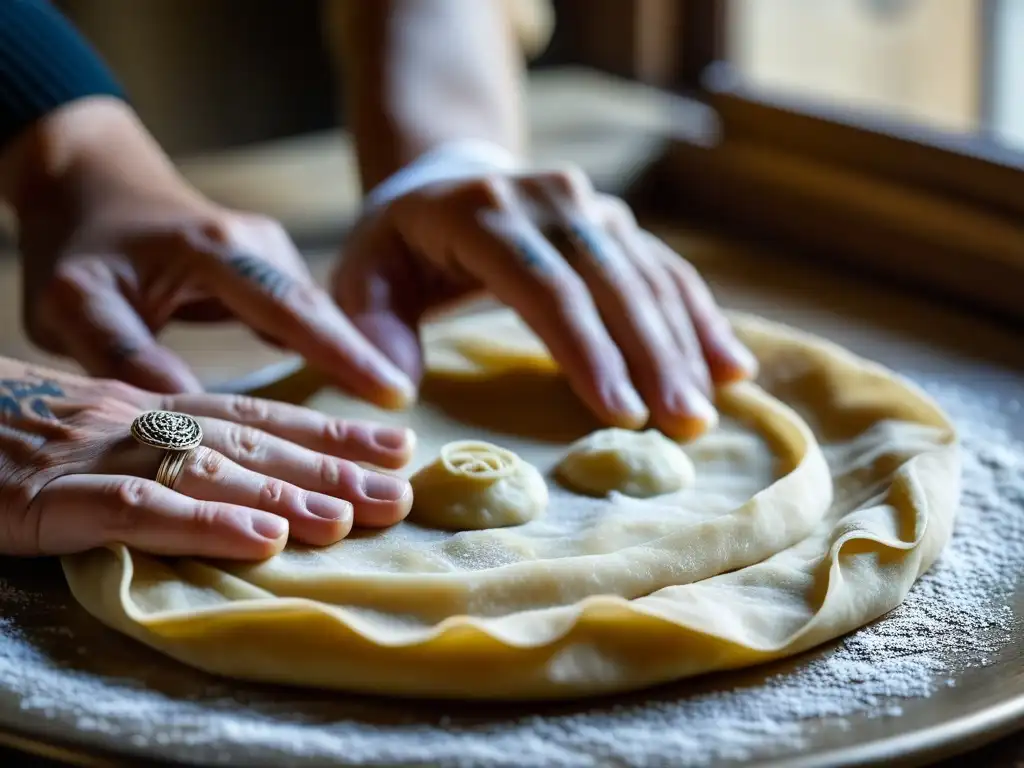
x=474 y=485
x=639 y=464
x=826 y=490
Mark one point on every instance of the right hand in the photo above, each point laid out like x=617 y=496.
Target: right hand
x=72 y=478
x=631 y=323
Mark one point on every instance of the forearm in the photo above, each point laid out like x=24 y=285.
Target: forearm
x=44 y=65
x=67 y=137
x=418 y=73
x=84 y=154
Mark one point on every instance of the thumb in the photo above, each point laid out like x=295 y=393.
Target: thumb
x=376 y=285
x=97 y=326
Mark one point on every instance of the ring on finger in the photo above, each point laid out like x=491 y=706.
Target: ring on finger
x=170 y=467
x=176 y=434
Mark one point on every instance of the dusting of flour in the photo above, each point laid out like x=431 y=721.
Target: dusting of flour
x=956 y=617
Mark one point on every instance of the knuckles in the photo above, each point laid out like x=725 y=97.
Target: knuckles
x=569 y=183
x=490 y=192
x=617 y=213
x=117 y=398
x=206 y=464
x=244 y=408
x=330 y=471
x=244 y=442
x=337 y=431
x=209 y=516
x=130 y=498
x=272 y=492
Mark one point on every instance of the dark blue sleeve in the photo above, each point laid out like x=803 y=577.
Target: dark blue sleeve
x=44 y=64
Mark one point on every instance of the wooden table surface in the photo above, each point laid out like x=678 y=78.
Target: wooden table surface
x=606 y=126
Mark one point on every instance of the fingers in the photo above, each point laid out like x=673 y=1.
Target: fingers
x=209 y=476
x=321 y=496
x=378 y=285
x=622 y=226
x=380 y=445
x=313 y=518
x=372 y=499
x=523 y=270
x=91 y=320
x=626 y=303
x=283 y=303
x=79 y=512
x=634 y=319
x=727 y=358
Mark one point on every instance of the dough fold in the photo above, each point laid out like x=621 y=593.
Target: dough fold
x=829 y=487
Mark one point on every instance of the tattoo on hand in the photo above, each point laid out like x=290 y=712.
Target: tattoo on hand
x=531 y=257
x=19 y=397
x=122 y=350
x=268 y=277
x=590 y=240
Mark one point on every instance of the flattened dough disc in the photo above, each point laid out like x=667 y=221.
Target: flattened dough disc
x=829 y=487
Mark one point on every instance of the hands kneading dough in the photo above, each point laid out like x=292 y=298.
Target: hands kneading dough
x=826 y=489
x=639 y=464
x=474 y=485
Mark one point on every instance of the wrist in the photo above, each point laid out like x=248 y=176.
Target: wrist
x=84 y=155
x=450 y=161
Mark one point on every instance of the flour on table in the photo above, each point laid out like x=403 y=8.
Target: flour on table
x=955 y=617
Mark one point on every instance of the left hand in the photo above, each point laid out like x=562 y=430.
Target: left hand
x=72 y=478
x=115 y=244
x=631 y=323
x=102 y=293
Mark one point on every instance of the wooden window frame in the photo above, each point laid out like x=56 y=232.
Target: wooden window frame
x=934 y=211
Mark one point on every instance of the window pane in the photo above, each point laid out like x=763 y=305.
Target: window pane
x=1008 y=90
x=916 y=60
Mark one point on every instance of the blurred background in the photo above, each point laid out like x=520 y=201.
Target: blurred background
x=209 y=74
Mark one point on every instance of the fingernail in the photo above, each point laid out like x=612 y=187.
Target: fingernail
x=690 y=415
x=401 y=384
x=328 y=507
x=626 y=400
x=700 y=407
x=269 y=526
x=392 y=438
x=743 y=358
x=383 y=487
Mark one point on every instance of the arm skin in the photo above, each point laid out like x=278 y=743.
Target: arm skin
x=89 y=151
x=629 y=321
x=418 y=73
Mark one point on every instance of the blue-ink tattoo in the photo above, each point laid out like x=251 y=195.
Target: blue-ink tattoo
x=591 y=240
x=122 y=350
x=266 y=276
x=530 y=255
x=18 y=394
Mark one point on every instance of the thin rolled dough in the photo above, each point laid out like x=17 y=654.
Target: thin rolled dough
x=827 y=489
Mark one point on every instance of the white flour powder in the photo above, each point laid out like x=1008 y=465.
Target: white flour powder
x=955 y=618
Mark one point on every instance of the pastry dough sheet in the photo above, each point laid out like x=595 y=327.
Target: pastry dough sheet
x=828 y=488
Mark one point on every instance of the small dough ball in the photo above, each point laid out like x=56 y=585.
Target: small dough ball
x=639 y=464
x=474 y=485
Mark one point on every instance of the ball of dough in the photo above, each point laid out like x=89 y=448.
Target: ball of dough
x=639 y=464
x=474 y=485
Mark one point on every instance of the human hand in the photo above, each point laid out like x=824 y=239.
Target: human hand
x=72 y=478
x=631 y=323
x=115 y=245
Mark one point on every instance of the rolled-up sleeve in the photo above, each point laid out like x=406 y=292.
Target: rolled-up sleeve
x=44 y=64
